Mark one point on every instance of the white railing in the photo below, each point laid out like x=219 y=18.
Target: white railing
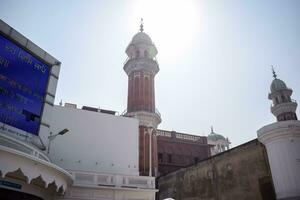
x=282 y=103
x=187 y=137
x=16 y=144
x=112 y=180
x=163 y=133
x=181 y=136
x=156 y=111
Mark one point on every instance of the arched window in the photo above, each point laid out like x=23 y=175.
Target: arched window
x=283 y=98
x=137 y=54
x=276 y=100
x=146 y=54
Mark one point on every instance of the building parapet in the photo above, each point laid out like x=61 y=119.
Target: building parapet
x=112 y=180
x=181 y=136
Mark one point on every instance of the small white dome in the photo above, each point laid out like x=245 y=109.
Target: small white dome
x=277 y=85
x=214 y=137
x=141 y=37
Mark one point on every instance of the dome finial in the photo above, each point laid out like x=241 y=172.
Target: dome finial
x=211 y=129
x=142 y=25
x=274 y=73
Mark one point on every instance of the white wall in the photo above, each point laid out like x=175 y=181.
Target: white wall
x=282 y=141
x=283 y=157
x=96 y=142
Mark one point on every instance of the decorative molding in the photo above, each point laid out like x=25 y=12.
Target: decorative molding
x=284 y=108
x=13 y=160
x=146 y=118
x=279 y=130
x=145 y=64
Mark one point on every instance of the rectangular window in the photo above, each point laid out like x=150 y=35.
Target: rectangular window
x=160 y=158
x=169 y=158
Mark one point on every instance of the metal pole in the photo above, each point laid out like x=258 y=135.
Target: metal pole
x=49 y=143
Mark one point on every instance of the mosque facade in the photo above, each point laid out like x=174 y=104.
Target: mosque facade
x=52 y=151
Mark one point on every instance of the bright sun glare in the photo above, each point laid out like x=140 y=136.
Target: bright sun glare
x=170 y=23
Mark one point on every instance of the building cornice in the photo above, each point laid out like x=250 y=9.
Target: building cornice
x=279 y=130
x=284 y=108
x=146 y=118
x=145 y=64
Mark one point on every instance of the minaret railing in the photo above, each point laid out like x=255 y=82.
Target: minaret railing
x=142 y=58
x=156 y=112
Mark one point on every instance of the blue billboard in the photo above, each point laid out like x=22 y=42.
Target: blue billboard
x=23 y=85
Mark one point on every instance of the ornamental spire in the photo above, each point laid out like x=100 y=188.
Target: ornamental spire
x=274 y=73
x=142 y=25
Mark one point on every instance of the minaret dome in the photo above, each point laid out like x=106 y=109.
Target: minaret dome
x=283 y=107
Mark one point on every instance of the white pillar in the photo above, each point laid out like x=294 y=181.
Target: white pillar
x=150 y=151
x=282 y=142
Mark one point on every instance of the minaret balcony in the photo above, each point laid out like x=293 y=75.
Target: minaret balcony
x=147 y=64
x=284 y=107
x=145 y=117
x=156 y=112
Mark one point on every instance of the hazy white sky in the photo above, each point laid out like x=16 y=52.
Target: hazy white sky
x=214 y=56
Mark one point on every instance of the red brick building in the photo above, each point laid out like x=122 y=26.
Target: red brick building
x=176 y=150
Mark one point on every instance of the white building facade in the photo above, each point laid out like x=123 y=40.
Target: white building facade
x=101 y=152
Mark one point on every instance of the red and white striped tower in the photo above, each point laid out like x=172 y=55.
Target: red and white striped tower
x=141 y=67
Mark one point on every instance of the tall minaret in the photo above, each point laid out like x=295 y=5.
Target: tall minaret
x=284 y=108
x=282 y=141
x=141 y=67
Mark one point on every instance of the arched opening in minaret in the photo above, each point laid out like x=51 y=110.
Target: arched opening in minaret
x=147 y=94
x=136 y=93
x=146 y=54
x=283 y=98
x=137 y=54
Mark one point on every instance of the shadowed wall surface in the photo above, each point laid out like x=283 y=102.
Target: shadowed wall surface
x=240 y=173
